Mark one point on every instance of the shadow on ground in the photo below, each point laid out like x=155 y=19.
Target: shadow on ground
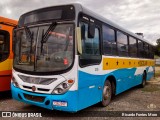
x=5 y=95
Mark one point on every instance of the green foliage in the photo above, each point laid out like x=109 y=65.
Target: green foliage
x=157 y=48
x=158 y=42
x=156 y=57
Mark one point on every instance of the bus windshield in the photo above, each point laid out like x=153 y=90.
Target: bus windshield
x=34 y=53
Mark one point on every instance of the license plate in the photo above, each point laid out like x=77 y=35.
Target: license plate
x=60 y=103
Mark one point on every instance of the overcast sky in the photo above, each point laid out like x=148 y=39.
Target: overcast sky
x=134 y=15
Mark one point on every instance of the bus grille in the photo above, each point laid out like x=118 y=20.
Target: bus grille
x=40 y=89
x=35 y=80
x=34 y=98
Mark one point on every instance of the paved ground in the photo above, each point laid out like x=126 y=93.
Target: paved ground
x=135 y=99
x=157 y=69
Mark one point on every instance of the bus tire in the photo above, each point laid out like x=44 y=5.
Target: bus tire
x=143 y=80
x=106 y=93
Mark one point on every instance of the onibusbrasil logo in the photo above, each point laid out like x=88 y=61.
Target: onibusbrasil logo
x=20 y=114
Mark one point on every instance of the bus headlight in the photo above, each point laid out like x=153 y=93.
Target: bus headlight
x=14 y=82
x=63 y=87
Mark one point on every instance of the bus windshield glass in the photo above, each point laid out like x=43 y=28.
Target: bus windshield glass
x=34 y=53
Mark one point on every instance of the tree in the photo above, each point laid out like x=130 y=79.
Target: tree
x=157 y=48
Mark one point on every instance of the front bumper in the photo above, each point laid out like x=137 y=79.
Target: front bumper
x=46 y=100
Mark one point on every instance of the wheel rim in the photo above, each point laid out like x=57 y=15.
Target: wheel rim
x=106 y=93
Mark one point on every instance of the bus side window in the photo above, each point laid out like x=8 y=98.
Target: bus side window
x=109 y=42
x=146 y=50
x=4 y=45
x=151 y=52
x=90 y=48
x=140 y=49
x=132 y=47
x=122 y=44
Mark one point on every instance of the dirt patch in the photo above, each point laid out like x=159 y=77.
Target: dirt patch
x=151 y=88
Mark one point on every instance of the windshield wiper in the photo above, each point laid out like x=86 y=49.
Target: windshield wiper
x=28 y=32
x=46 y=34
x=30 y=35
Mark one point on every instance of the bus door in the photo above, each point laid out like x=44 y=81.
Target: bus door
x=89 y=62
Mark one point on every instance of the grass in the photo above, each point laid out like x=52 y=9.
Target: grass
x=157 y=65
x=156 y=57
x=157 y=74
x=151 y=88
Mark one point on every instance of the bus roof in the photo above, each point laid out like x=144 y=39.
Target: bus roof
x=7 y=21
x=100 y=18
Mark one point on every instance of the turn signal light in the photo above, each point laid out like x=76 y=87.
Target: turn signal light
x=70 y=81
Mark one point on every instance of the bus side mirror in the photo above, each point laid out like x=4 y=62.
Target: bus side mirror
x=91 y=30
x=79 y=40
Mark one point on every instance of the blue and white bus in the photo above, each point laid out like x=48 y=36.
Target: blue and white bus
x=69 y=58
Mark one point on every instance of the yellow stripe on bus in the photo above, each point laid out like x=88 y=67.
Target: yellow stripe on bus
x=6 y=65
x=118 y=63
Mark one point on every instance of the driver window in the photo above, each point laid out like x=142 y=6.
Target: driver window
x=90 y=48
x=4 y=45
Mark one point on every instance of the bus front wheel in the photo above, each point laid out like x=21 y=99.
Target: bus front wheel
x=107 y=93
